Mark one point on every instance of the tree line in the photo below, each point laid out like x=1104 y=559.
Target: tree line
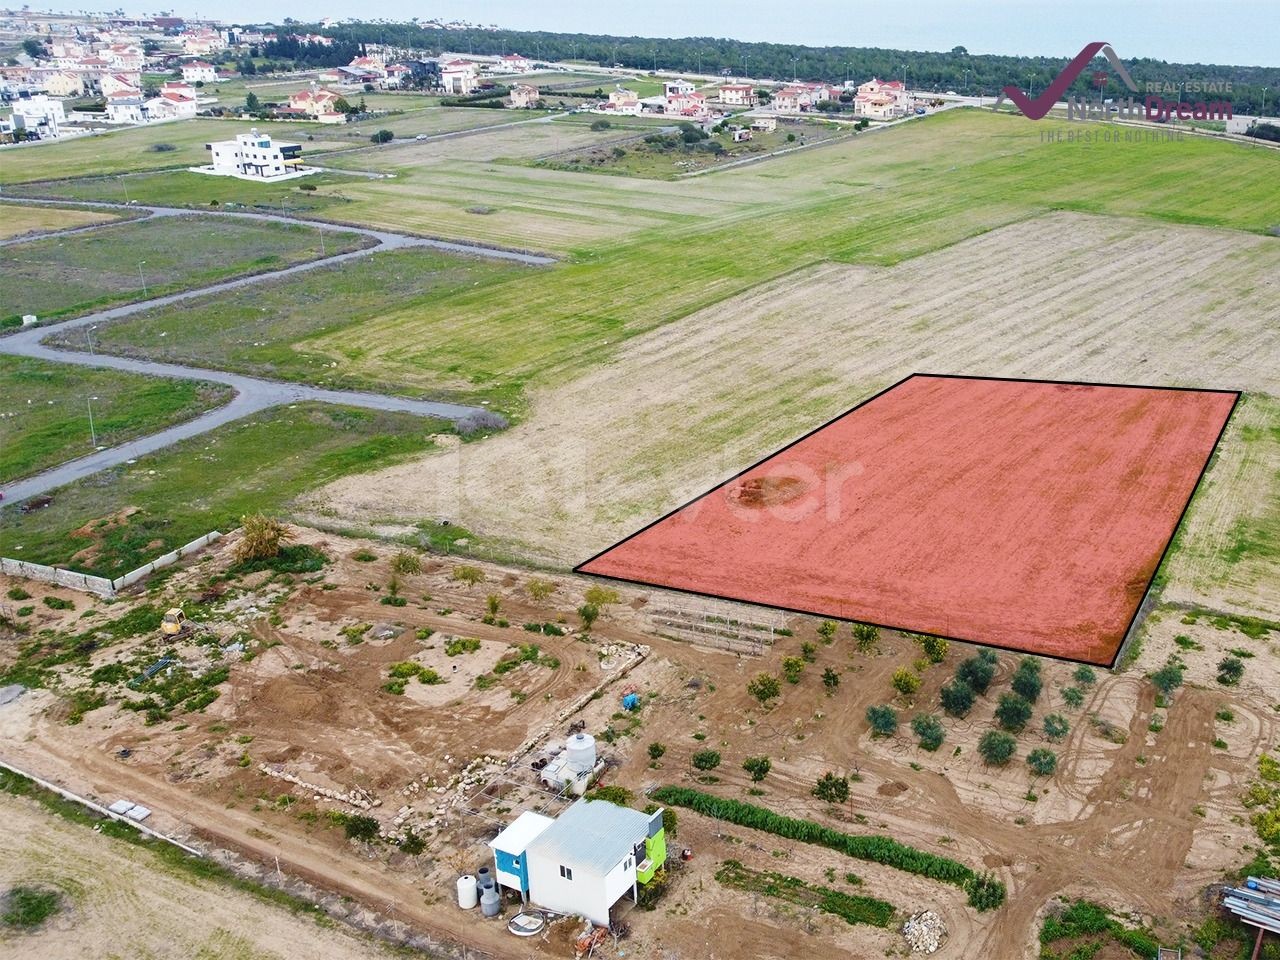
x=956 y=69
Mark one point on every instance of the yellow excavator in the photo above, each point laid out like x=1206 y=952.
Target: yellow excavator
x=176 y=624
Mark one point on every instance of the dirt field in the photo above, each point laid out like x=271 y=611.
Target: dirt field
x=303 y=728
x=694 y=402
x=121 y=901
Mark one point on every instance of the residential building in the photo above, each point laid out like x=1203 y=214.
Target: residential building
x=119 y=84
x=740 y=135
x=764 y=124
x=514 y=63
x=199 y=71
x=510 y=865
x=881 y=100
x=458 y=77
x=623 y=101
x=172 y=104
x=40 y=115
x=60 y=83
x=594 y=854
x=792 y=99
x=738 y=95
x=319 y=104
x=201 y=43
x=397 y=74
x=371 y=67
x=692 y=105
x=677 y=88
x=255 y=156
x=126 y=107
x=523 y=95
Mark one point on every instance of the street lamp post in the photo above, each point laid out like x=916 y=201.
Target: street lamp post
x=142 y=278
x=88 y=338
x=93 y=433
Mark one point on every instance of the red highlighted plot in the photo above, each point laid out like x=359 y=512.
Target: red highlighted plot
x=1023 y=514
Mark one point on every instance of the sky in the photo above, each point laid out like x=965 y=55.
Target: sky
x=1243 y=32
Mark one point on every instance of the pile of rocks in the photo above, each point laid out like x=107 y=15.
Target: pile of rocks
x=357 y=797
x=924 y=932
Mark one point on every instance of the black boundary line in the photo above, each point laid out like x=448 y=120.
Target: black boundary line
x=1124 y=637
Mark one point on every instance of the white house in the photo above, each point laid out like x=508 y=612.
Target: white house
x=792 y=99
x=677 y=88
x=458 y=77
x=738 y=95
x=514 y=63
x=255 y=156
x=127 y=107
x=172 y=104
x=765 y=124
x=39 y=114
x=198 y=71
x=593 y=855
x=119 y=84
x=510 y=865
x=201 y=42
x=691 y=104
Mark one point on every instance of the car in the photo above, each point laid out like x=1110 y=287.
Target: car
x=421 y=136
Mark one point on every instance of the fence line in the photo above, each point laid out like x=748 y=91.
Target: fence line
x=99 y=809
x=101 y=585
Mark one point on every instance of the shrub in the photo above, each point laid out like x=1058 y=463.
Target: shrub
x=17 y=593
x=978 y=672
x=538 y=590
x=876 y=849
x=792 y=667
x=599 y=596
x=996 y=748
x=383 y=136
x=764 y=687
x=985 y=892
x=360 y=827
x=929 y=729
x=1042 y=762
x=1056 y=727
x=614 y=794
x=865 y=637
x=851 y=908
x=905 y=681
x=600 y=124
x=758 y=767
x=832 y=789
x=588 y=613
x=57 y=603
x=883 y=720
x=1230 y=670
x=261 y=538
x=1168 y=678
x=808 y=652
x=830 y=680
x=935 y=648
x=468 y=574
x=1026 y=680
x=1073 y=696
x=957 y=698
x=405 y=563
x=1085 y=676
x=656 y=750
x=412 y=844
x=460 y=645
x=706 y=759
x=826 y=629
x=1013 y=712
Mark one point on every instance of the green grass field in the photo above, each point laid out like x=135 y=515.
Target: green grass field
x=44 y=410
x=134 y=150
x=66 y=275
x=879 y=199
x=21 y=220
x=268 y=329
x=209 y=482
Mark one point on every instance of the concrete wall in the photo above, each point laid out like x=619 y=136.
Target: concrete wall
x=101 y=585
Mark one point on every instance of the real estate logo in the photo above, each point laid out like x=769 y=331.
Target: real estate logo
x=1154 y=107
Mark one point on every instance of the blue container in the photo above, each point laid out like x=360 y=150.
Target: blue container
x=631 y=701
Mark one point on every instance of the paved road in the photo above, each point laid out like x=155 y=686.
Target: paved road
x=252 y=394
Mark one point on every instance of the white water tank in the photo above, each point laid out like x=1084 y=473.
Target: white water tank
x=467 y=897
x=580 y=752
